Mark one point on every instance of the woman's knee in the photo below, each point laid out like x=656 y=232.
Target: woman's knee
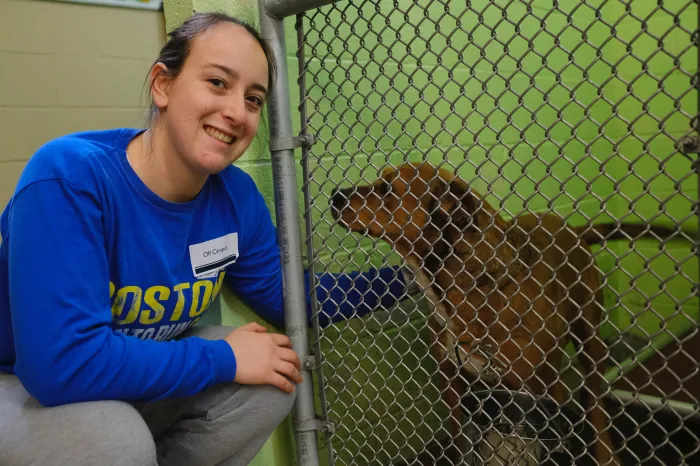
x=103 y=432
x=266 y=406
x=115 y=433
x=280 y=403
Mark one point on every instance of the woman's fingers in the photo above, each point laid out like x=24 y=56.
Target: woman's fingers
x=290 y=356
x=264 y=358
x=281 y=382
x=289 y=370
x=281 y=340
x=289 y=364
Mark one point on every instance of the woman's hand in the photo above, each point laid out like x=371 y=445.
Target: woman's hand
x=264 y=358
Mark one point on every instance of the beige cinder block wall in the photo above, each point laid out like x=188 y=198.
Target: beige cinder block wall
x=68 y=67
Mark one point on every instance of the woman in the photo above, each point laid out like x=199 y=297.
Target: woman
x=114 y=245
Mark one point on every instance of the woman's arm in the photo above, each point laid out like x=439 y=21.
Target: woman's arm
x=66 y=348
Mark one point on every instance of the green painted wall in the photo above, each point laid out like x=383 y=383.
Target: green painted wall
x=558 y=119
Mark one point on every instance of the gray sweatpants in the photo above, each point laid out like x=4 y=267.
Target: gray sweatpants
x=225 y=425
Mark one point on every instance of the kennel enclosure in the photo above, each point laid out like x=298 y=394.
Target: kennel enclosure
x=588 y=109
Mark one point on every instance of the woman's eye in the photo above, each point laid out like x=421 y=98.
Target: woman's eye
x=217 y=83
x=257 y=101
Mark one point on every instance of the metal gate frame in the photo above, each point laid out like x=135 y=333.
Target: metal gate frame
x=282 y=146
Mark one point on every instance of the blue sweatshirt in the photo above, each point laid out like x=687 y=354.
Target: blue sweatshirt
x=98 y=275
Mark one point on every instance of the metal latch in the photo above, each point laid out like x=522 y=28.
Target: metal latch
x=290 y=143
x=314 y=424
x=309 y=363
x=690 y=145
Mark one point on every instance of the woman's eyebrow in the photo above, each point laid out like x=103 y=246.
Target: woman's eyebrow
x=235 y=75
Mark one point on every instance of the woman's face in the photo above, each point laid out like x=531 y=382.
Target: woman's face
x=211 y=110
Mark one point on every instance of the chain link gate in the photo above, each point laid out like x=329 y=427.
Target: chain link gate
x=586 y=109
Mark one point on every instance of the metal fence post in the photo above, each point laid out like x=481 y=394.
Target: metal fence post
x=282 y=145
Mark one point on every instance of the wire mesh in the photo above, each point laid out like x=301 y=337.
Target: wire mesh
x=575 y=109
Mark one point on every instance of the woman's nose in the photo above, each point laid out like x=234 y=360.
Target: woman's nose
x=235 y=109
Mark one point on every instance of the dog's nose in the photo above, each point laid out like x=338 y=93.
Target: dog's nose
x=339 y=200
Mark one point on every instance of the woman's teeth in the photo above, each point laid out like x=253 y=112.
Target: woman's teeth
x=218 y=135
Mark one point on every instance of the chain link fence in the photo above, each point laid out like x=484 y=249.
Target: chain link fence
x=585 y=109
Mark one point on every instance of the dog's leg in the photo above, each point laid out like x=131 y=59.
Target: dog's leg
x=445 y=349
x=453 y=398
x=443 y=344
x=559 y=391
x=452 y=388
x=594 y=348
x=592 y=358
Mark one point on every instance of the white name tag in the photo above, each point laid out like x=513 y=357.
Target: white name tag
x=211 y=256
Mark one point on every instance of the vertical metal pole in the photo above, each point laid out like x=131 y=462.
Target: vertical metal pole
x=309 y=224
x=287 y=214
x=697 y=152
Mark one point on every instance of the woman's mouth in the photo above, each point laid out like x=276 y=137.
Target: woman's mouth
x=216 y=134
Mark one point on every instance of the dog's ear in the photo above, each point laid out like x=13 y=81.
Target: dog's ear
x=451 y=201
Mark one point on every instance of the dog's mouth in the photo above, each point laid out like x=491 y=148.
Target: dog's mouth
x=351 y=226
x=337 y=214
x=343 y=212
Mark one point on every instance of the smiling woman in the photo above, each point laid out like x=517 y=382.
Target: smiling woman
x=113 y=247
x=220 y=90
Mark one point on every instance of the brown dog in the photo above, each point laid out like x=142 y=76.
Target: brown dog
x=508 y=295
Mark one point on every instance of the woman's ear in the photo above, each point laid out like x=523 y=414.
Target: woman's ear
x=160 y=85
